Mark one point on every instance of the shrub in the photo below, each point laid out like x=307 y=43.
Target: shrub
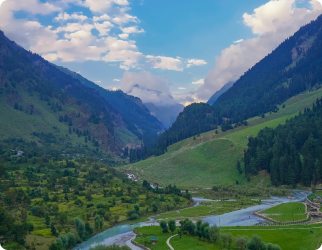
x=37 y=211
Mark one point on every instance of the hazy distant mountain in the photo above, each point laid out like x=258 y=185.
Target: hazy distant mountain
x=215 y=96
x=166 y=114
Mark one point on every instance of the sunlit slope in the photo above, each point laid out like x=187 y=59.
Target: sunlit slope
x=211 y=158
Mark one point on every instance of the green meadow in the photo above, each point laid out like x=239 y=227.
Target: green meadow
x=287 y=237
x=210 y=159
x=291 y=211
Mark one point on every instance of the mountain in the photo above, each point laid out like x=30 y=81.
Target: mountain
x=215 y=96
x=42 y=104
x=210 y=159
x=133 y=111
x=293 y=67
x=166 y=114
x=291 y=153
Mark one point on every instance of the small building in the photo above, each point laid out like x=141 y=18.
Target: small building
x=154 y=240
x=20 y=153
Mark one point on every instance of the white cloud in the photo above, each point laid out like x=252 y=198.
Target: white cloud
x=104 y=28
x=238 y=41
x=181 y=88
x=149 y=88
x=131 y=30
x=123 y=17
x=75 y=16
x=101 y=18
x=268 y=17
x=112 y=88
x=195 y=62
x=273 y=22
x=316 y=4
x=97 y=81
x=201 y=81
x=124 y=36
x=1 y=1
x=103 y=6
x=163 y=62
x=116 y=80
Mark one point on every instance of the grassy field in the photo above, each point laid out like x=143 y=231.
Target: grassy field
x=286 y=212
x=211 y=158
x=287 y=237
x=209 y=208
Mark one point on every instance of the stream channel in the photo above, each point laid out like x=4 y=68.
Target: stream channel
x=122 y=234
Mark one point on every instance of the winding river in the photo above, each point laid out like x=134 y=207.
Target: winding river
x=123 y=234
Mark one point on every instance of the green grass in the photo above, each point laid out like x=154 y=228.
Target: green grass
x=44 y=232
x=211 y=158
x=209 y=208
x=287 y=237
x=286 y=212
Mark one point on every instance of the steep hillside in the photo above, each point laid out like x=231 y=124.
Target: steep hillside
x=211 y=158
x=295 y=66
x=131 y=108
x=45 y=105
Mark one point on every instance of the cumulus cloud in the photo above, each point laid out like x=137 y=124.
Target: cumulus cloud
x=103 y=6
x=195 y=62
x=149 y=88
x=201 y=81
x=104 y=28
x=75 y=16
x=163 y=62
x=273 y=22
x=123 y=17
x=181 y=88
x=124 y=36
x=101 y=18
x=131 y=30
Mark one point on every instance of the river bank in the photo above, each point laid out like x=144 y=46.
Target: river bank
x=123 y=234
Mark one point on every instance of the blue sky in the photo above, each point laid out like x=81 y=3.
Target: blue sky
x=184 y=49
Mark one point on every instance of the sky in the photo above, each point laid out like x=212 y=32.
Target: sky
x=164 y=52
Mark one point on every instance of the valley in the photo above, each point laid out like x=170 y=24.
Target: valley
x=111 y=142
x=210 y=159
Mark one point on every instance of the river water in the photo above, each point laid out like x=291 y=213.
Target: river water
x=123 y=234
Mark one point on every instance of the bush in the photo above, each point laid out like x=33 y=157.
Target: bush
x=164 y=226
x=37 y=211
x=80 y=228
x=78 y=202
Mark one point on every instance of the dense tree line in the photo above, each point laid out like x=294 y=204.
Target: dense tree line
x=291 y=153
x=270 y=82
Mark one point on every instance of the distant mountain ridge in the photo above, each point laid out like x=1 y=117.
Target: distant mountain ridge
x=223 y=90
x=166 y=114
x=293 y=67
x=166 y=111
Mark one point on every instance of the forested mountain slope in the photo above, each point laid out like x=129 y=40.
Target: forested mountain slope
x=133 y=111
x=292 y=152
x=293 y=67
x=41 y=103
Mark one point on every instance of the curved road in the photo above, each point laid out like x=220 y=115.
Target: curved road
x=168 y=242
